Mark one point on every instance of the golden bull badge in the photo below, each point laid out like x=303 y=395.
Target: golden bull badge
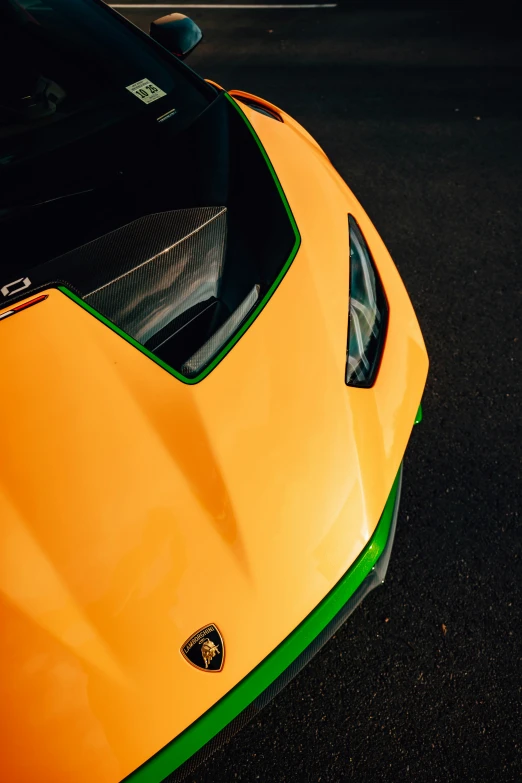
x=205 y=649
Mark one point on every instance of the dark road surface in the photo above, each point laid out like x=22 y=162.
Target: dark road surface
x=421 y=112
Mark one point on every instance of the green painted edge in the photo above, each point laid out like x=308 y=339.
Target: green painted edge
x=173 y=755
x=418 y=417
x=250 y=320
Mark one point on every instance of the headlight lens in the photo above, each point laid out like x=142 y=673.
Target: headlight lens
x=368 y=317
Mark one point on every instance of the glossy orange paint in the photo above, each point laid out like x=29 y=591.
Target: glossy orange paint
x=135 y=509
x=214 y=84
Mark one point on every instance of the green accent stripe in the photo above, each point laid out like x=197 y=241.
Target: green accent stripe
x=418 y=417
x=233 y=340
x=235 y=701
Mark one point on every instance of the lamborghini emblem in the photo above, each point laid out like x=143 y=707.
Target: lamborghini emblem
x=208 y=650
x=205 y=649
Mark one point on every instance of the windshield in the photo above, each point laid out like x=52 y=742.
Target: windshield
x=96 y=127
x=75 y=68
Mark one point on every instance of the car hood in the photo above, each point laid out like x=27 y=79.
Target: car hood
x=136 y=509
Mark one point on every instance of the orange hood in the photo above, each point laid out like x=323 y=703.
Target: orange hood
x=135 y=509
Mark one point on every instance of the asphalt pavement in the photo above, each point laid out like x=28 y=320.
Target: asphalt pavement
x=419 y=105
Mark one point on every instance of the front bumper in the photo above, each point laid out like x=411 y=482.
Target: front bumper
x=215 y=727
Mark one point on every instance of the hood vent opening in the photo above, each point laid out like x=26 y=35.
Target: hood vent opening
x=161 y=282
x=170 y=303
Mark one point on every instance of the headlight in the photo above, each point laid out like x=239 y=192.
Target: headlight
x=368 y=317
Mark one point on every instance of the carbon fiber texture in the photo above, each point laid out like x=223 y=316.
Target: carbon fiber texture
x=374 y=578
x=196 y=362
x=156 y=268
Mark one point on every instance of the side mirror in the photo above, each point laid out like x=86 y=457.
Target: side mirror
x=177 y=33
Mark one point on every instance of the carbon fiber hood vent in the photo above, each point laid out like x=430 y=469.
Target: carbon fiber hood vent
x=158 y=268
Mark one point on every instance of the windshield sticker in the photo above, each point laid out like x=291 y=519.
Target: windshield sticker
x=146 y=91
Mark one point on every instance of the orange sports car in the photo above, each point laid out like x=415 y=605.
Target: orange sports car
x=210 y=372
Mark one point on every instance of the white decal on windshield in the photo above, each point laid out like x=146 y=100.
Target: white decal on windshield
x=146 y=91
